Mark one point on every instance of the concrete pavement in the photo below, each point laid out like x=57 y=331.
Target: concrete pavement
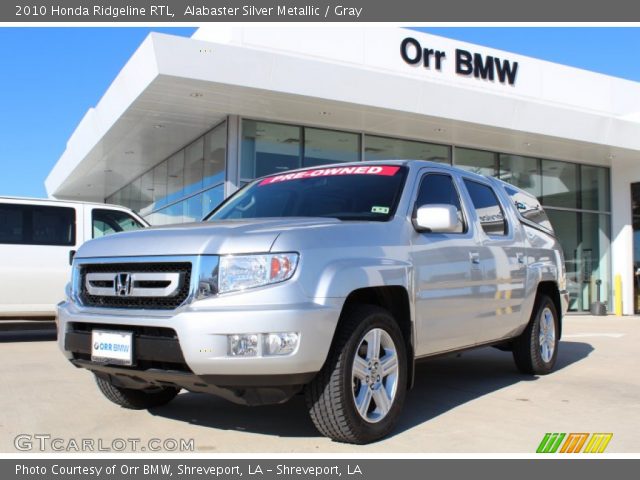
x=474 y=402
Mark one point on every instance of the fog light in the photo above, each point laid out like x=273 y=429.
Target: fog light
x=243 y=345
x=280 y=343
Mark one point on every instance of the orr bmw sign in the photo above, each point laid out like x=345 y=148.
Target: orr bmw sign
x=467 y=64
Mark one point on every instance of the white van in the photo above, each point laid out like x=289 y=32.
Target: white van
x=38 y=239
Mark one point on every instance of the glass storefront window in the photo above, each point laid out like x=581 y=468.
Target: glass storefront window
x=383 y=148
x=585 y=238
x=559 y=184
x=136 y=194
x=595 y=188
x=269 y=148
x=126 y=197
x=190 y=184
x=175 y=176
x=193 y=167
x=211 y=199
x=174 y=213
x=215 y=144
x=171 y=192
x=160 y=185
x=146 y=192
x=322 y=147
x=193 y=208
x=476 y=161
x=595 y=254
x=523 y=172
x=565 y=225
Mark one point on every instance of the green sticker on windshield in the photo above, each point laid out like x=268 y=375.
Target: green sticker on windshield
x=380 y=210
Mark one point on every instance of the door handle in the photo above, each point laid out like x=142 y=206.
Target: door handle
x=520 y=257
x=474 y=257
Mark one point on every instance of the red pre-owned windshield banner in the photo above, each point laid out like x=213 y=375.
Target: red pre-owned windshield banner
x=384 y=170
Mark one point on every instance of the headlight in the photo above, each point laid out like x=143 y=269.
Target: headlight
x=239 y=272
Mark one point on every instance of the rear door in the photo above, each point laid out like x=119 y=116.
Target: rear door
x=447 y=274
x=35 y=244
x=502 y=260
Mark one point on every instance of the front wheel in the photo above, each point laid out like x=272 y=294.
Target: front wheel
x=358 y=395
x=535 y=351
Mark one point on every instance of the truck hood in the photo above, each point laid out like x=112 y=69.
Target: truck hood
x=212 y=238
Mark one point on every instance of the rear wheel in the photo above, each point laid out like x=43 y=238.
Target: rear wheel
x=535 y=351
x=136 y=399
x=358 y=395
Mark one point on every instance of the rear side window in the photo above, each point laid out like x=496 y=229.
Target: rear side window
x=11 y=224
x=37 y=225
x=437 y=188
x=529 y=208
x=105 y=222
x=487 y=208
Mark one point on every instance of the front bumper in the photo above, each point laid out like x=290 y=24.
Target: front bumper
x=189 y=349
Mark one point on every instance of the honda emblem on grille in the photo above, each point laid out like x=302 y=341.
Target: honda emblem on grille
x=122 y=284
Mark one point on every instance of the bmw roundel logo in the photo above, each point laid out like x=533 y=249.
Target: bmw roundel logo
x=96 y=346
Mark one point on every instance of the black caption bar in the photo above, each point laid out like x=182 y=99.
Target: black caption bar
x=197 y=11
x=272 y=469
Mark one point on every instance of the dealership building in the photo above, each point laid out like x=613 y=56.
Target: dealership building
x=188 y=121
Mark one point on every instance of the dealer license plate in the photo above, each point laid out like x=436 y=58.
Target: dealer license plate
x=112 y=347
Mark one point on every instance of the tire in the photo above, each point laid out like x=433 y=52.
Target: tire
x=136 y=399
x=535 y=351
x=333 y=394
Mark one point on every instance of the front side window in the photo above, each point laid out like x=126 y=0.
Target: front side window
x=37 y=225
x=368 y=192
x=487 y=208
x=437 y=188
x=105 y=222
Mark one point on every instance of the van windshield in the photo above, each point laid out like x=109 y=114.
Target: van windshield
x=105 y=222
x=368 y=192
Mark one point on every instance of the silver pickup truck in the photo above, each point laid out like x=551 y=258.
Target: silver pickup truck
x=330 y=281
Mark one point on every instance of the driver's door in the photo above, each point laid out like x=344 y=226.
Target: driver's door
x=447 y=273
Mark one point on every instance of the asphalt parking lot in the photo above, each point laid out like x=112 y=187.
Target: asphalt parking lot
x=475 y=402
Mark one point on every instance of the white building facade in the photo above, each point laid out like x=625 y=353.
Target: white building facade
x=190 y=120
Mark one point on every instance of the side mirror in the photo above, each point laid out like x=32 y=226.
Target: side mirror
x=437 y=218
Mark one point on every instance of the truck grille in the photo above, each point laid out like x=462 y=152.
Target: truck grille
x=153 y=286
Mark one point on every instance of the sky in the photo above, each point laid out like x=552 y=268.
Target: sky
x=50 y=77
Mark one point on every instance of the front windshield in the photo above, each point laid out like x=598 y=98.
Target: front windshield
x=369 y=192
x=105 y=222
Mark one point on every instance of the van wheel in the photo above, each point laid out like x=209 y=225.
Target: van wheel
x=358 y=395
x=535 y=351
x=136 y=399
